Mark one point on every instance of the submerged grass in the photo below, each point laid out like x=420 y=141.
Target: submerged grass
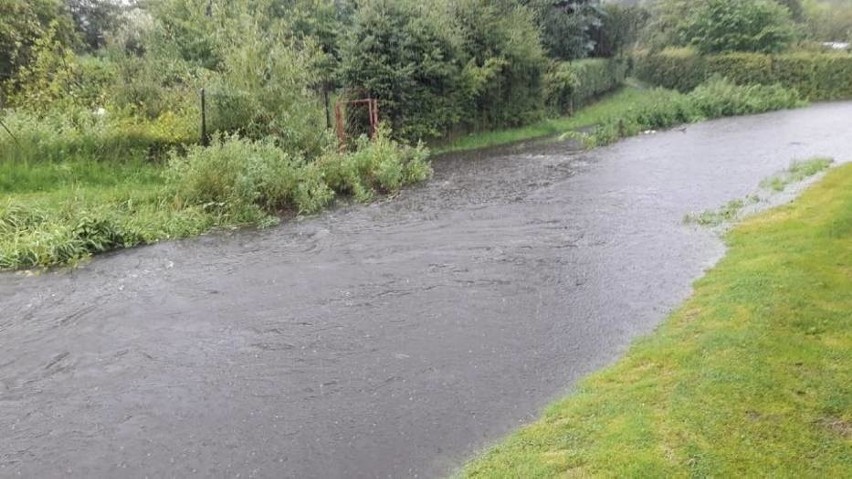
x=797 y=172
x=749 y=378
x=727 y=213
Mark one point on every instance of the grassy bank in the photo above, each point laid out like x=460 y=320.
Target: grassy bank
x=61 y=204
x=749 y=378
x=66 y=200
x=607 y=107
x=634 y=109
x=63 y=211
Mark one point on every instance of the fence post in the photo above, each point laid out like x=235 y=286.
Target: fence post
x=205 y=140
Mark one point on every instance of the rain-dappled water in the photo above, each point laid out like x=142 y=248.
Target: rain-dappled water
x=389 y=340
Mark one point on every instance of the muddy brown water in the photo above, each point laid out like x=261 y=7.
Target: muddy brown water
x=389 y=340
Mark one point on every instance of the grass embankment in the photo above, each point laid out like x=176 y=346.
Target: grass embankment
x=608 y=107
x=749 y=378
x=60 y=212
x=73 y=191
x=64 y=201
x=633 y=110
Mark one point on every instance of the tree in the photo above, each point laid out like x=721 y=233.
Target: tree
x=504 y=62
x=619 y=29
x=795 y=7
x=406 y=54
x=828 y=21
x=567 y=26
x=22 y=23
x=93 y=19
x=739 y=25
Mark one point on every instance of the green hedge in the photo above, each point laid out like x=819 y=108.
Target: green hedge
x=817 y=76
x=570 y=85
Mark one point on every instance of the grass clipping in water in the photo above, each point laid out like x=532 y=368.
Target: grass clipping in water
x=749 y=378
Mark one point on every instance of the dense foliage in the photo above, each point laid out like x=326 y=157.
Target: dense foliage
x=738 y=25
x=724 y=25
x=817 y=76
x=714 y=99
x=570 y=85
x=96 y=91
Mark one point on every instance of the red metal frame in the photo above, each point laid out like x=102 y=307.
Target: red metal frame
x=372 y=106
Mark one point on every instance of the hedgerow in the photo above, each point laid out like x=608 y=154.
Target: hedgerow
x=816 y=76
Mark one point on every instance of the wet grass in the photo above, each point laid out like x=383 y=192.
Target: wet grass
x=797 y=172
x=55 y=213
x=63 y=226
x=662 y=109
x=624 y=99
x=749 y=378
x=726 y=214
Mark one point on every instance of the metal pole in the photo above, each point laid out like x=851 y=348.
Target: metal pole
x=205 y=141
x=327 y=107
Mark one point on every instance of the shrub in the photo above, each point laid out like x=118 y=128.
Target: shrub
x=720 y=97
x=816 y=76
x=572 y=85
x=245 y=181
x=381 y=165
x=717 y=26
x=679 y=69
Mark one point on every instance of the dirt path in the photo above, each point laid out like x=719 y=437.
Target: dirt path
x=391 y=340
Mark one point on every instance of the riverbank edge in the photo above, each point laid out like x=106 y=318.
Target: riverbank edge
x=745 y=378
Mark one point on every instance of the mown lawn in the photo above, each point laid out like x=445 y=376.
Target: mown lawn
x=751 y=377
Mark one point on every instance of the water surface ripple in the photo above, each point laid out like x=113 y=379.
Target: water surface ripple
x=389 y=340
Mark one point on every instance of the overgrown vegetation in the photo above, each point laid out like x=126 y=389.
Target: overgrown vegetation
x=748 y=378
x=91 y=90
x=62 y=212
x=815 y=75
x=662 y=108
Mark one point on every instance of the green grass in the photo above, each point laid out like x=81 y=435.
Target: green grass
x=56 y=213
x=612 y=105
x=65 y=226
x=749 y=378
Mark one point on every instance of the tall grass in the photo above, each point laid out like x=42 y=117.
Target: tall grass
x=662 y=108
x=61 y=211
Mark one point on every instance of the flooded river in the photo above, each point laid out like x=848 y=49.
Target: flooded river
x=388 y=340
